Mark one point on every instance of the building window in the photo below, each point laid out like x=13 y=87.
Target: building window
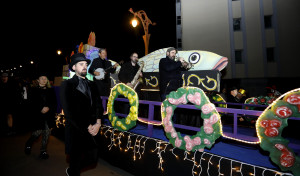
x=270 y=54
x=268 y=21
x=236 y=24
x=238 y=56
x=178 y=20
x=179 y=43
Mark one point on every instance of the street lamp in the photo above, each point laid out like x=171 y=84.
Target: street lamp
x=145 y=21
x=58 y=52
x=134 y=22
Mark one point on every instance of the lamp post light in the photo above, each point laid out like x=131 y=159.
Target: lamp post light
x=145 y=22
x=58 y=52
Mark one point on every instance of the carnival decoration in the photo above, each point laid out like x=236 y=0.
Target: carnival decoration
x=260 y=100
x=130 y=121
x=80 y=48
x=269 y=128
x=201 y=60
x=211 y=130
x=92 y=39
x=214 y=97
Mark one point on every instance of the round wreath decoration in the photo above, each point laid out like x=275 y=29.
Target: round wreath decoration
x=210 y=131
x=269 y=127
x=219 y=98
x=130 y=121
x=261 y=100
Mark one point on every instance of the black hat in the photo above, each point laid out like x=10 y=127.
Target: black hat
x=39 y=74
x=4 y=75
x=78 y=57
x=232 y=88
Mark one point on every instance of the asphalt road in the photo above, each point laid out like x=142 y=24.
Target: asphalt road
x=14 y=162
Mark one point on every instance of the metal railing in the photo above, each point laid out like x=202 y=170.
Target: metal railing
x=234 y=112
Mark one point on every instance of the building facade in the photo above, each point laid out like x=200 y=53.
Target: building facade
x=260 y=37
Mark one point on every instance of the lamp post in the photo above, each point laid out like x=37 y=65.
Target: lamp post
x=145 y=21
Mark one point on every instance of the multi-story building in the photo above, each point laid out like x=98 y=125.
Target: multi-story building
x=261 y=38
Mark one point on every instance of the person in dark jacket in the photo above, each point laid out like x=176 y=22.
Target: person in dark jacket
x=7 y=104
x=81 y=104
x=43 y=103
x=102 y=62
x=129 y=70
x=170 y=73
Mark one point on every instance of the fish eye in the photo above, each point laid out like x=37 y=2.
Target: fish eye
x=194 y=58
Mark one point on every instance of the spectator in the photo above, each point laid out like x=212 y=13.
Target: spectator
x=43 y=111
x=7 y=97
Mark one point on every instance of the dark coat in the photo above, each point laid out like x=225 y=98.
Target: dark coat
x=127 y=72
x=7 y=97
x=80 y=112
x=43 y=98
x=105 y=84
x=169 y=75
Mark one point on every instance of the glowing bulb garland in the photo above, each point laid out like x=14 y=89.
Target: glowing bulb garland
x=139 y=148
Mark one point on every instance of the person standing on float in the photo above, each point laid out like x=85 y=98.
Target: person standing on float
x=104 y=84
x=170 y=73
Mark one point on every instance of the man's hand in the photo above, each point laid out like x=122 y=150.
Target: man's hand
x=184 y=64
x=116 y=65
x=129 y=84
x=181 y=59
x=96 y=73
x=94 y=129
x=45 y=110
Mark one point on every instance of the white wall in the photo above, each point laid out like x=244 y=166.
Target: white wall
x=205 y=27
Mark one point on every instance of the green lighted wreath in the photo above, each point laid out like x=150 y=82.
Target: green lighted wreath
x=130 y=121
x=269 y=129
x=261 y=100
x=211 y=129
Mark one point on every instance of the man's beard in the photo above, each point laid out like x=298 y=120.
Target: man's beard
x=83 y=73
x=172 y=57
x=135 y=61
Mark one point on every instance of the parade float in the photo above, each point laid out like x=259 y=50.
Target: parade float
x=145 y=146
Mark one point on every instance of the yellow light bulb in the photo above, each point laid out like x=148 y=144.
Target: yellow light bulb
x=134 y=22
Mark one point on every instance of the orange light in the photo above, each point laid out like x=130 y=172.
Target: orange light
x=134 y=22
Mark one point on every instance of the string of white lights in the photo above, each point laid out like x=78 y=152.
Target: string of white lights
x=161 y=146
x=231 y=168
x=232 y=160
x=208 y=164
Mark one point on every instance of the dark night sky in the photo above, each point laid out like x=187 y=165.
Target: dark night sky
x=36 y=31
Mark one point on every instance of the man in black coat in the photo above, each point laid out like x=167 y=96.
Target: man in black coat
x=7 y=104
x=170 y=73
x=129 y=70
x=102 y=62
x=83 y=111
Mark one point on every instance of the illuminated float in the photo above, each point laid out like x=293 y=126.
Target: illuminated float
x=269 y=125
